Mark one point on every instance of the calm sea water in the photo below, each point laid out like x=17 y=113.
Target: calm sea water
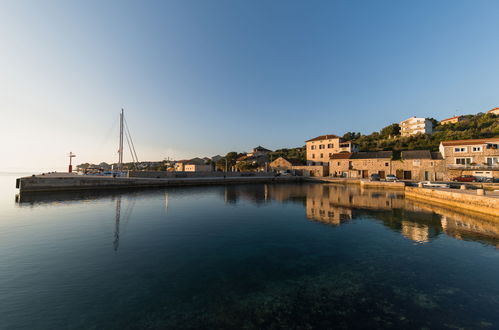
x=288 y=256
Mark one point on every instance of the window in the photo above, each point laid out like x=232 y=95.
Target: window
x=491 y=161
x=321 y=146
x=416 y=162
x=322 y=155
x=330 y=145
x=460 y=149
x=312 y=147
x=330 y=154
x=477 y=149
x=463 y=161
x=386 y=164
x=313 y=155
x=338 y=163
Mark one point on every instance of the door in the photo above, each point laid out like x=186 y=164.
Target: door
x=365 y=174
x=407 y=175
x=382 y=174
x=400 y=174
x=426 y=176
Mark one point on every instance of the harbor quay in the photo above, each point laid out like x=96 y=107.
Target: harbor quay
x=70 y=182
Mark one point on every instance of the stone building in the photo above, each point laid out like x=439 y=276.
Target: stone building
x=412 y=165
x=420 y=165
x=319 y=149
x=198 y=168
x=477 y=157
x=414 y=125
x=311 y=170
x=360 y=165
x=282 y=163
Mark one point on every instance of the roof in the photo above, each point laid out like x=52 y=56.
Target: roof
x=416 y=154
x=372 y=155
x=436 y=155
x=260 y=148
x=493 y=110
x=243 y=158
x=292 y=161
x=421 y=154
x=469 y=142
x=363 y=155
x=324 y=137
x=343 y=155
x=456 y=117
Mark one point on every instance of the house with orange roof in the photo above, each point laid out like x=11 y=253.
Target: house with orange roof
x=320 y=148
x=452 y=120
x=494 y=111
x=477 y=157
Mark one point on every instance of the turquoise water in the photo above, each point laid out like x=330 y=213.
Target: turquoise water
x=288 y=256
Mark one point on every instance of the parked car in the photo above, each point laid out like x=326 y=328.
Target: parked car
x=284 y=173
x=374 y=177
x=485 y=179
x=391 y=177
x=465 y=178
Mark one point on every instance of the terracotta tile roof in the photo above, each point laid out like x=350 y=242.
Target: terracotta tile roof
x=450 y=118
x=495 y=109
x=243 y=158
x=469 y=142
x=324 y=137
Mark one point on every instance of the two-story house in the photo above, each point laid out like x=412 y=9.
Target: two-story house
x=414 y=125
x=319 y=149
x=478 y=157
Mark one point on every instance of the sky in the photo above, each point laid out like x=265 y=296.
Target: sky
x=205 y=77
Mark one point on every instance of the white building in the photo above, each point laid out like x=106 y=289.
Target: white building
x=414 y=125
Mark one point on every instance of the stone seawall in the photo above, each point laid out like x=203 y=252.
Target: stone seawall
x=172 y=175
x=455 y=198
x=80 y=182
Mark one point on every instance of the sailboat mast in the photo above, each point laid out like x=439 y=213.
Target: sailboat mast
x=120 y=149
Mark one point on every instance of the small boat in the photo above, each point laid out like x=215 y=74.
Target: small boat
x=430 y=184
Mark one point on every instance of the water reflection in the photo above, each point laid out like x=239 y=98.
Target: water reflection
x=337 y=204
x=326 y=203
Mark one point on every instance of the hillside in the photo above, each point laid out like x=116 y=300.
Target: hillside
x=471 y=127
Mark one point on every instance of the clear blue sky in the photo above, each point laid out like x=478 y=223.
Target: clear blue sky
x=200 y=78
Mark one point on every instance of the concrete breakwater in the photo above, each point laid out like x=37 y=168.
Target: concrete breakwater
x=467 y=200
x=54 y=182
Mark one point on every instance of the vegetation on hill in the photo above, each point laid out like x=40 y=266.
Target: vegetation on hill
x=477 y=126
x=298 y=153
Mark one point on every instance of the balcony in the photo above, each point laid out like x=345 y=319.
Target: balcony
x=483 y=167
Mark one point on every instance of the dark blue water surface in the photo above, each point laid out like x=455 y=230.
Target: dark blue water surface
x=284 y=256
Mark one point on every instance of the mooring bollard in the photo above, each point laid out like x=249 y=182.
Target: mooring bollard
x=420 y=185
x=480 y=192
x=463 y=187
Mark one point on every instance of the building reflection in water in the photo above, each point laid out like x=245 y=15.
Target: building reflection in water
x=326 y=203
x=338 y=204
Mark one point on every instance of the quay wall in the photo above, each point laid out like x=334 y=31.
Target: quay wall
x=74 y=183
x=456 y=199
x=363 y=183
x=184 y=174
